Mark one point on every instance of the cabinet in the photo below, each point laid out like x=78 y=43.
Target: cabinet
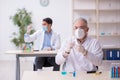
x=103 y=18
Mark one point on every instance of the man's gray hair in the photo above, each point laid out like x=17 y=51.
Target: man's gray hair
x=83 y=19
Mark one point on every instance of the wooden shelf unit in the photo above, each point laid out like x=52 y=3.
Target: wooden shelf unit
x=103 y=16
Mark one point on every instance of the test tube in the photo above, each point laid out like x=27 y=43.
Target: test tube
x=74 y=74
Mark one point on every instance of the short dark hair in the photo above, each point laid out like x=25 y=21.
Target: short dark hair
x=48 y=20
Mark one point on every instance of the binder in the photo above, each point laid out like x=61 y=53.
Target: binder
x=117 y=54
x=113 y=54
x=110 y=54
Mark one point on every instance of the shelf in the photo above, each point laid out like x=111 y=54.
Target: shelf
x=84 y=10
x=109 y=10
x=93 y=35
x=111 y=61
x=109 y=22
x=103 y=20
x=109 y=0
x=109 y=35
x=110 y=47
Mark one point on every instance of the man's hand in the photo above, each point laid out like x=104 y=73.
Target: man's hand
x=80 y=48
x=29 y=28
x=68 y=48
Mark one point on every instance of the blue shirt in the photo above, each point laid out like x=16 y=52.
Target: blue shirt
x=47 y=39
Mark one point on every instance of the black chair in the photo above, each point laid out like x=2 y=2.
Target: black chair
x=45 y=65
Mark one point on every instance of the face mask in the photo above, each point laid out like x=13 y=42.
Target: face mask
x=79 y=33
x=44 y=28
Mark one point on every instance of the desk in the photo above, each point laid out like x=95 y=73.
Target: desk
x=45 y=75
x=20 y=53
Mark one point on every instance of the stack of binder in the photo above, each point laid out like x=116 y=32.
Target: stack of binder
x=112 y=54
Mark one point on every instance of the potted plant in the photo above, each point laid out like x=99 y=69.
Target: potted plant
x=21 y=19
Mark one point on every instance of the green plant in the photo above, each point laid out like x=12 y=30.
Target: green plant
x=22 y=19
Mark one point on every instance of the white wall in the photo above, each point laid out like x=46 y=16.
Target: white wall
x=58 y=10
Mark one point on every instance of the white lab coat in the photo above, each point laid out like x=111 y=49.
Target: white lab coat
x=76 y=61
x=38 y=37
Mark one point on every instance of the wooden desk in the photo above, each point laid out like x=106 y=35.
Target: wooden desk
x=45 y=75
x=20 y=53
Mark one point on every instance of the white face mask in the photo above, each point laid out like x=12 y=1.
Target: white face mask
x=79 y=33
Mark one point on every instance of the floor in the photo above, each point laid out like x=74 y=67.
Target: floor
x=7 y=68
